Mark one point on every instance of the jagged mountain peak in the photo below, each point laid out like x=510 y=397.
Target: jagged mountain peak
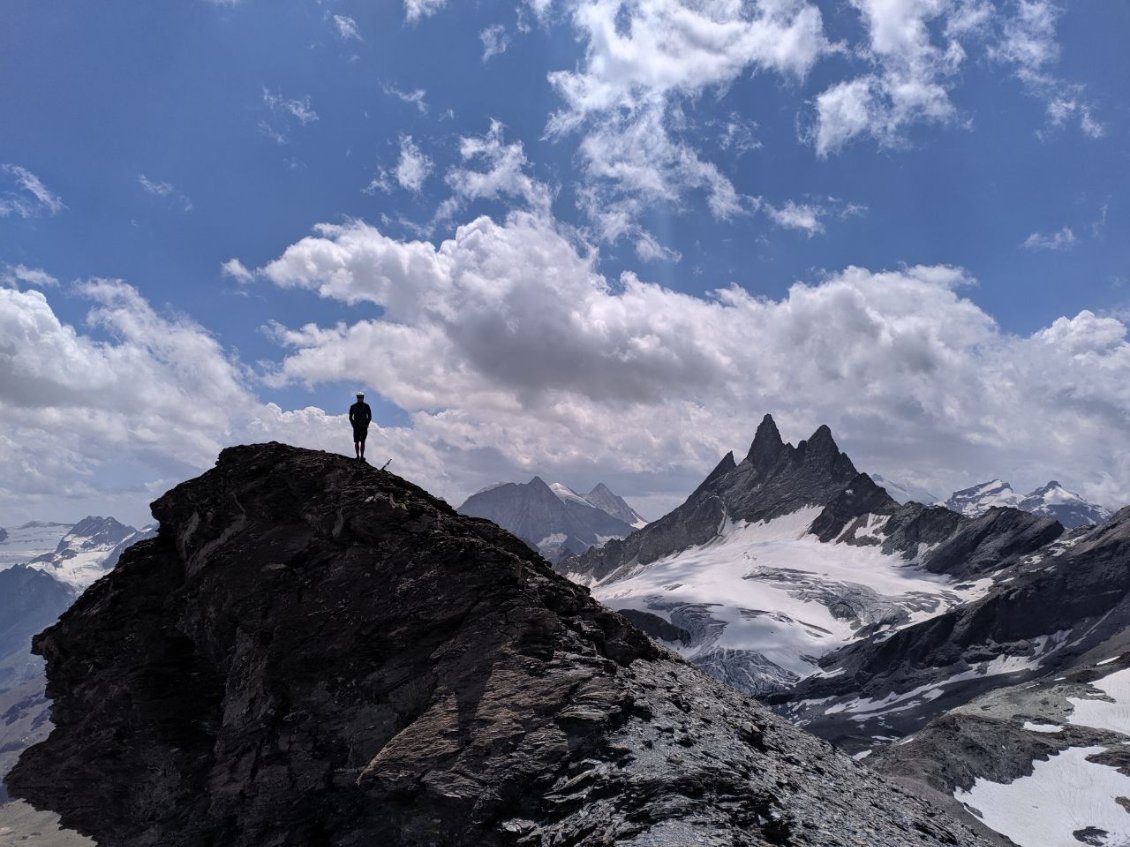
x=467 y=696
x=767 y=447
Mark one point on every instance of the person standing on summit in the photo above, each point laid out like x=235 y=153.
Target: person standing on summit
x=360 y=415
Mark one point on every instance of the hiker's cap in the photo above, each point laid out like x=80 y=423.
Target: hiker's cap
x=360 y=393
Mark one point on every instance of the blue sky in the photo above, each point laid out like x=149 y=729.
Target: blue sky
x=509 y=222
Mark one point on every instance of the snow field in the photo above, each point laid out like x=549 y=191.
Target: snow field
x=1063 y=795
x=772 y=587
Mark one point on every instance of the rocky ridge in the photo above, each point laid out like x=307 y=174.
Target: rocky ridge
x=1044 y=611
x=315 y=652
x=779 y=559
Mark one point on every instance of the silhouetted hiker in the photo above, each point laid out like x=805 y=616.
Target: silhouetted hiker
x=360 y=416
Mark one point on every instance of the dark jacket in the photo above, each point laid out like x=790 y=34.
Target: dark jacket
x=360 y=415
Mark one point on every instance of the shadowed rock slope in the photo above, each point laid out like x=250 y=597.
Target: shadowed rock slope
x=315 y=652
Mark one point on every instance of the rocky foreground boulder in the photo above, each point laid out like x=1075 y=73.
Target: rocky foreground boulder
x=314 y=652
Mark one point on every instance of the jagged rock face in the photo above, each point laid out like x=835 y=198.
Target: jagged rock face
x=992 y=541
x=314 y=652
x=1048 y=609
x=554 y=526
x=773 y=479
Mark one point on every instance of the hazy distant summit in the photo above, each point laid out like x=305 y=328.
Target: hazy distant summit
x=1052 y=499
x=554 y=519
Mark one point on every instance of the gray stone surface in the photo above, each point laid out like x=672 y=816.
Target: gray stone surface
x=315 y=652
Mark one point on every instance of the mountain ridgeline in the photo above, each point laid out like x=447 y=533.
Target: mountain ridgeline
x=553 y=519
x=316 y=652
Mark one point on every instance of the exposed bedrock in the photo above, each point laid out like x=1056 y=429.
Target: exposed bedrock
x=314 y=652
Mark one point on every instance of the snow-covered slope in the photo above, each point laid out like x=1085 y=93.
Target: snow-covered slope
x=21 y=544
x=80 y=556
x=1043 y=763
x=1065 y=506
x=978 y=499
x=760 y=603
x=602 y=497
x=905 y=492
x=1052 y=499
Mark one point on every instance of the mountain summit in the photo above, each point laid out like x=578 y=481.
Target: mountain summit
x=315 y=652
x=774 y=479
x=552 y=518
x=1052 y=500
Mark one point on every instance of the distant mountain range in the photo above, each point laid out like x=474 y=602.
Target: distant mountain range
x=1052 y=499
x=44 y=566
x=554 y=519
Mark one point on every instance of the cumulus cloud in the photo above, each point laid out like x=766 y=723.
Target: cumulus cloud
x=505 y=341
x=24 y=195
x=104 y=417
x=1064 y=239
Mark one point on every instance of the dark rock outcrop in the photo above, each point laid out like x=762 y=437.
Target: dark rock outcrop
x=315 y=652
x=992 y=541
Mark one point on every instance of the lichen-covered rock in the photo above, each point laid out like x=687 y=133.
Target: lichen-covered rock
x=314 y=652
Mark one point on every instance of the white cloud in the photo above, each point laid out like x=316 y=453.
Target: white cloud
x=13 y=275
x=347 y=28
x=504 y=341
x=495 y=41
x=104 y=426
x=513 y=355
x=1064 y=239
x=416 y=9
x=1029 y=45
x=416 y=97
x=165 y=189
x=642 y=62
x=23 y=194
x=235 y=269
x=411 y=170
x=914 y=71
x=283 y=114
x=493 y=169
x=801 y=216
x=299 y=109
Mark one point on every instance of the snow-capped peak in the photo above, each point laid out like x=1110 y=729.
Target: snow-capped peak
x=978 y=499
x=1051 y=499
x=567 y=495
